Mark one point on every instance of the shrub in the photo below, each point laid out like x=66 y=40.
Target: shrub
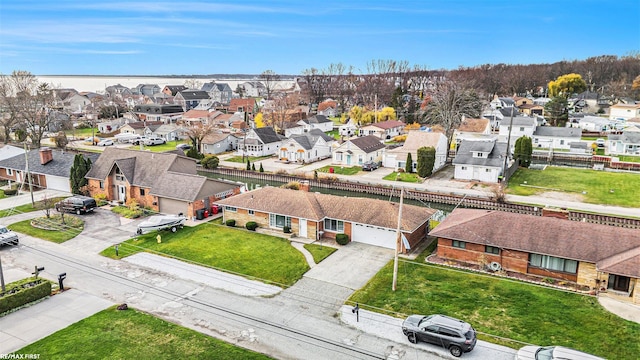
x=230 y=222
x=210 y=162
x=23 y=292
x=286 y=229
x=342 y=239
x=251 y=225
x=10 y=192
x=293 y=185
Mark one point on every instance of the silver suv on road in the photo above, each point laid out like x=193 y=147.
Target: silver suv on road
x=453 y=334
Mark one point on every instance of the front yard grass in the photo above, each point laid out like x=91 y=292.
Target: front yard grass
x=59 y=232
x=268 y=258
x=132 y=334
x=403 y=176
x=505 y=308
x=628 y=158
x=39 y=205
x=168 y=146
x=340 y=170
x=319 y=252
x=252 y=159
x=601 y=187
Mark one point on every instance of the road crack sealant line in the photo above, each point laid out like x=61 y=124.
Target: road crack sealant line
x=243 y=318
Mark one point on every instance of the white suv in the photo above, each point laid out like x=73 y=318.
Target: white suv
x=154 y=141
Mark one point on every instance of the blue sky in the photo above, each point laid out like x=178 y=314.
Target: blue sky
x=69 y=37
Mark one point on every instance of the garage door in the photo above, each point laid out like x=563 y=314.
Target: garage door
x=58 y=183
x=374 y=235
x=171 y=206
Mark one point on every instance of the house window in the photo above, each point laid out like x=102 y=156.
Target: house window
x=142 y=192
x=10 y=172
x=553 y=263
x=333 y=225
x=279 y=221
x=561 y=142
x=230 y=208
x=522 y=129
x=487 y=170
x=492 y=250
x=459 y=244
x=101 y=184
x=463 y=168
x=251 y=212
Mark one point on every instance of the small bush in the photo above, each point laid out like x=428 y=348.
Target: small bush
x=286 y=230
x=230 y=222
x=10 y=192
x=251 y=225
x=23 y=292
x=342 y=239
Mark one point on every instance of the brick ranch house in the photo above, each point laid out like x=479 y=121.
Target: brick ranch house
x=315 y=216
x=165 y=182
x=551 y=246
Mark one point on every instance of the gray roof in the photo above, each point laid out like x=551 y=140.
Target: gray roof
x=194 y=94
x=59 y=166
x=519 y=121
x=190 y=186
x=309 y=139
x=578 y=145
x=158 y=109
x=368 y=143
x=558 y=131
x=267 y=135
x=316 y=119
x=627 y=137
x=464 y=155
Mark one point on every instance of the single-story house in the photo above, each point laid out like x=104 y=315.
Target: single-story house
x=49 y=169
x=384 y=130
x=141 y=128
x=480 y=160
x=307 y=147
x=260 y=142
x=522 y=126
x=594 y=123
x=328 y=108
x=627 y=143
x=397 y=158
x=357 y=151
x=555 y=137
x=315 y=216
x=316 y=122
x=165 y=182
x=170 y=132
x=624 y=111
x=218 y=143
x=550 y=246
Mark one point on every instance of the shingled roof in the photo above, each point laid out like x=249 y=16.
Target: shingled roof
x=316 y=206
x=496 y=150
x=609 y=247
x=367 y=143
x=60 y=165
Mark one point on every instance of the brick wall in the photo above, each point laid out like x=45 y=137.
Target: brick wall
x=587 y=275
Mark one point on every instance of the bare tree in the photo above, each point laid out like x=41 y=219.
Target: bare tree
x=271 y=82
x=197 y=133
x=193 y=84
x=8 y=106
x=283 y=110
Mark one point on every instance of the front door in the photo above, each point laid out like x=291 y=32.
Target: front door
x=619 y=283
x=121 y=193
x=348 y=159
x=303 y=228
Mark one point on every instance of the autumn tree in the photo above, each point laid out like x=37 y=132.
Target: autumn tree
x=283 y=109
x=356 y=113
x=566 y=85
x=270 y=80
x=259 y=120
x=386 y=113
x=636 y=83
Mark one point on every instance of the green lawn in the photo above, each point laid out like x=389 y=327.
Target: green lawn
x=252 y=159
x=268 y=258
x=39 y=205
x=59 y=233
x=132 y=334
x=82 y=133
x=404 y=177
x=505 y=308
x=628 y=158
x=334 y=134
x=602 y=187
x=168 y=146
x=340 y=170
x=319 y=252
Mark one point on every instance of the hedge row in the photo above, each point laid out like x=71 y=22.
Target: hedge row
x=23 y=292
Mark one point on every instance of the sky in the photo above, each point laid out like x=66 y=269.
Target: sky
x=80 y=37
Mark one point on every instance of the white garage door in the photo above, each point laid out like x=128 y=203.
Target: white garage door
x=374 y=236
x=170 y=206
x=58 y=183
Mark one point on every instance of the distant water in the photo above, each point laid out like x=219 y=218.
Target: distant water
x=98 y=83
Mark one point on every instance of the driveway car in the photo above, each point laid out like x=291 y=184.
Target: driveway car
x=453 y=334
x=105 y=142
x=600 y=142
x=76 y=204
x=154 y=141
x=552 y=352
x=7 y=237
x=370 y=166
x=138 y=140
x=183 y=147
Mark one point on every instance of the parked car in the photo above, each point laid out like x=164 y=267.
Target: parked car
x=552 y=352
x=137 y=140
x=600 y=142
x=154 y=141
x=183 y=147
x=7 y=237
x=76 y=204
x=453 y=334
x=370 y=166
x=105 y=142
x=92 y=140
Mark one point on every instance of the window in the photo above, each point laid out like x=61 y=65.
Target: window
x=463 y=168
x=522 y=129
x=492 y=250
x=333 y=225
x=561 y=142
x=10 y=172
x=459 y=244
x=142 y=192
x=251 y=212
x=230 y=208
x=553 y=263
x=487 y=170
x=101 y=184
x=279 y=221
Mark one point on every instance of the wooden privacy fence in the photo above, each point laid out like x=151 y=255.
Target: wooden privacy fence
x=424 y=196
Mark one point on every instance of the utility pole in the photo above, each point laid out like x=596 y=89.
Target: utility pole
x=398 y=242
x=506 y=155
x=26 y=170
x=1 y=277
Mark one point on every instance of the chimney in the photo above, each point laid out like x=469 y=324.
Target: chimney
x=556 y=213
x=46 y=155
x=304 y=185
